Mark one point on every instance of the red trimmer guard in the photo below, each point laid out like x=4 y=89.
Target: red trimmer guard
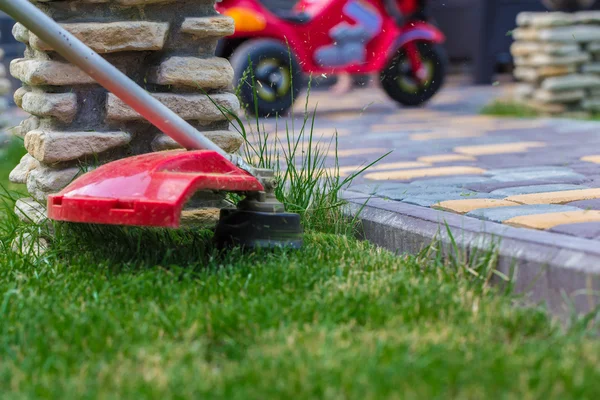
x=147 y=190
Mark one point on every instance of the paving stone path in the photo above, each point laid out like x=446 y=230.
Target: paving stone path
x=531 y=173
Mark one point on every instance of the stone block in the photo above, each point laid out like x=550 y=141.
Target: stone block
x=217 y=26
x=26 y=125
x=570 y=34
x=46 y=72
x=571 y=82
x=544 y=20
x=524 y=49
x=209 y=73
x=45 y=180
x=501 y=214
x=230 y=141
x=536 y=74
x=62 y=106
x=565 y=96
x=20 y=33
x=587 y=17
x=545 y=60
x=591 y=104
x=30 y=210
x=593 y=47
x=52 y=147
x=18 y=96
x=20 y=173
x=115 y=36
x=188 y=106
x=591 y=68
x=526 y=34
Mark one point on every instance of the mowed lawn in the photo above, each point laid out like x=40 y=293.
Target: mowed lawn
x=129 y=313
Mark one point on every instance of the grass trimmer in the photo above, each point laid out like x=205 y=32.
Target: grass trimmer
x=152 y=189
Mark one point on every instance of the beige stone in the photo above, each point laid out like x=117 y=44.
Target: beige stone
x=565 y=96
x=547 y=221
x=525 y=34
x=20 y=33
x=230 y=141
x=524 y=18
x=22 y=170
x=45 y=180
x=18 y=96
x=62 y=106
x=536 y=74
x=523 y=91
x=541 y=60
x=115 y=36
x=46 y=72
x=188 y=106
x=524 y=49
x=51 y=147
x=26 y=125
x=30 y=210
x=570 y=82
x=217 y=26
x=210 y=73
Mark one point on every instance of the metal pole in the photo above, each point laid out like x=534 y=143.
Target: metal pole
x=107 y=75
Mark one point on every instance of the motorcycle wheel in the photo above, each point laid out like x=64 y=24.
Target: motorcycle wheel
x=268 y=76
x=399 y=82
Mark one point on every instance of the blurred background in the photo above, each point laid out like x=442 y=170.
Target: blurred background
x=478 y=33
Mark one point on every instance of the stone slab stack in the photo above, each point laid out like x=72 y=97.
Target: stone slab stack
x=557 y=56
x=166 y=46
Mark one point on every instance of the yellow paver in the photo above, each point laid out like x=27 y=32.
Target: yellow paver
x=445 y=134
x=502 y=148
x=440 y=158
x=358 y=152
x=556 y=197
x=592 y=159
x=344 y=171
x=468 y=205
x=547 y=221
x=424 y=173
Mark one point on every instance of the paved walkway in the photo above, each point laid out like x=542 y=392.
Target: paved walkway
x=539 y=174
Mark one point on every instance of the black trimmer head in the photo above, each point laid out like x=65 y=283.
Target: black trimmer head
x=259 y=224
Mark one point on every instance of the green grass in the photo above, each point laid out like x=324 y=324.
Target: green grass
x=151 y=314
x=146 y=313
x=504 y=108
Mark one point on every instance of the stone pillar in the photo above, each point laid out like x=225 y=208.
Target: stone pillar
x=557 y=55
x=164 y=45
x=5 y=88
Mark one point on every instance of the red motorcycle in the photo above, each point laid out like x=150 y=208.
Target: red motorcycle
x=271 y=53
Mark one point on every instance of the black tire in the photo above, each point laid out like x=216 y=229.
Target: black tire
x=401 y=86
x=276 y=73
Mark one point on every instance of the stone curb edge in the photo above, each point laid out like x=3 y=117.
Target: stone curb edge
x=547 y=267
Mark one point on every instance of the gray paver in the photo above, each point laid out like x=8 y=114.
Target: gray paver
x=593 y=204
x=588 y=230
x=421 y=191
x=502 y=214
x=493 y=185
x=547 y=175
x=372 y=188
x=457 y=181
x=515 y=191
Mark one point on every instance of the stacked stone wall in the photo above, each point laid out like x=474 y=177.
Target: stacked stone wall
x=557 y=57
x=166 y=46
